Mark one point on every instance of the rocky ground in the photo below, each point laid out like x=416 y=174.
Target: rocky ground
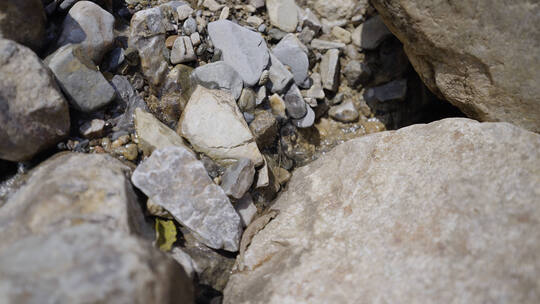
x=210 y=151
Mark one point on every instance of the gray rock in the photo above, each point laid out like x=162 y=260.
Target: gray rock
x=175 y=179
x=319 y=44
x=261 y=96
x=291 y=52
x=452 y=203
x=307 y=121
x=190 y=26
x=276 y=34
x=147 y=36
x=264 y=128
x=279 y=76
x=185 y=260
x=371 y=33
x=130 y=101
x=311 y=21
x=85 y=87
x=257 y=3
x=182 y=51
x=238 y=178
x=341 y=34
x=316 y=91
x=92 y=129
x=246 y=209
x=246 y=102
x=212 y=5
x=283 y=14
x=345 y=112
x=296 y=106
x=89 y=26
x=114 y=59
x=244 y=50
x=330 y=70
x=218 y=75
x=184 y=11
x=338 y=9
x=195 y=39
x=24 y=22
x=153 y=134
x=90 y=264
x=383 y=97
x=306 y=35
x=211 y=110
x=69 y=189
x=34 y=114
x=357 y=73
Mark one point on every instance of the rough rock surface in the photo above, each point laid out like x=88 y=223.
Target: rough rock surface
x=473 y=54
x=177 y=181
x=337 y=9
x=70 y=189
x=91 y=27
x=244 y=50
x=33 y=112
x=214 y=125
x=218 y=75
x=23 y=21
x=90 y=264
x=445 y=212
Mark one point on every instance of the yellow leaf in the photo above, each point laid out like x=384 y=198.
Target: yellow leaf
x=165 y=234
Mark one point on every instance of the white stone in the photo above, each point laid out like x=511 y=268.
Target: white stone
x=182 y=51
x=283 y=14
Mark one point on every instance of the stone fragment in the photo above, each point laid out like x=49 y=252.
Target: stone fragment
x=15 y=22
x=278 y=107
x=307 y=121
x=92 y=129
x=114 y=60
x=371 y=33
x=381 y=97
x=153 y=134
x=246 y=103
x=341 y=34
x=35 y=115
x=218 y=75
x=330 y=70
x=195 y=39
x=261 y=96
x=129 y=101
x=90 y=264
x=291 y=52
x=264 y=128
x=89 y=26
x=244 y=50
x=86 y=88
x=279 y=76
x=345 y=112
x=338 y=9
x=238 y=178
x=283 y=14
x=254 y=21
x=357 y=73
x=211 y=110
x=190 y=26
x=184 y=12
x=175 y=179
x=257 y=3
x=169 y=42
x=294 y=102
x=320 y=44
x=306 y=35
x=182 y=51
x=246 y=209
x=316 y=91
x=212 y=5
x=69 y=189
x=190 y=267
x=311 y=21
x=434 y=203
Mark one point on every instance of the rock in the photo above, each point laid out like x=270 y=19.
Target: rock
x=338 y=9
x=92 y=129
x=169 y=42
x=311 y=21
x=319 y=44
x=341 y=34
x=224 y=13
x=291 y=52
x=114 y=60
x=89 y=26
x=306 y=35
x=294 y=102
x=190 y=267
x=184 y=11
x=153 y=134
x=246 y=103
x=147 y=36
x=283 y=14
x=69 y=189
x=238 y=178
x=211 y=110
x=254 y=21
x=195 y=39
x=212 y=5
x=175 y=179
x=276 y=34
x=257 y=3
x=316 y=91
x=345 y=112
x=306 y=121
x=174 y=95
x=428 y=203
x=89 y=264
x=15 y=25
x=190 y=26
x=371 y=33
x=182 y=51
x=130 y=100
x=244 y=50
x=474 y=56
x=264 y=128
x=85 y=87
x=34 y=115
x=218 y=75
x=261 y=96
x=246 y=209
x=384 y=97
x=330 y=70
x=357 y=73
x=279 y=76
x=278 y=107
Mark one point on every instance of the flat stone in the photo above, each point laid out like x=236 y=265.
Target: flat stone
x=283 y=14
x=15 y=22
x=330 y=70
x=175 y=179
x=345 y=112
x=294 y=102
x=341 y=34
x=320 y=44
x=357 y=73
x=430 y=203
x=307 y=121
x=35 y=115
x=316 y=91
x=244 y=50
x=70 y=189
x=211 y=110
x=394 y=91
x=182 y=51
x=246 y=102
x=90 y=264
x=306 y=35
x=254 y=21
x=89 y=26
x=311 y=21
x=291 y=52
x=246 y=209
x=371 y=33
x=218 y=75
x=264 y=128
x=279 y=76
x=153 y=134
x=86 y=88
x=238 y=178
x=93 y=128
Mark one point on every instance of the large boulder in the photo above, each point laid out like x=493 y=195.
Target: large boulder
x=482 y=56
x=34 y=114
x=23 y=21
x=438 y=213
x=90 y=264
x=70 y=189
